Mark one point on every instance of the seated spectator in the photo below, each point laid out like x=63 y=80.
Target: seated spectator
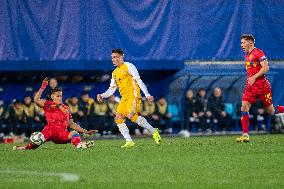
x=2 y=117
x=39 y=119
x=216 y=106
x=164 y=117
x=259 y=116
x=149 y=112
x=29 y=114
x=190 y=111
x=74 y=107
x=112 y=106
x=204 y=116
x=100 y=114
x=16 y=118
x=51 y=85
x=85 y=109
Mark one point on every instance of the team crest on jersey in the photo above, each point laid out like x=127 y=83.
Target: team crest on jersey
x=247 y=65
x=250 y=56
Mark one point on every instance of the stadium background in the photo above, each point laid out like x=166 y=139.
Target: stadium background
x=174 y=44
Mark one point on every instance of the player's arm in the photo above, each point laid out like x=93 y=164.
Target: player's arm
x=76 y=127
x=111 y=90
x=133 y=71
x=264 y=69
x=37 y=98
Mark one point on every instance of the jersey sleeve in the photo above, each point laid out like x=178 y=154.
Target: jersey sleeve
x=260 y=56
x=112 y=88
x=134 y=73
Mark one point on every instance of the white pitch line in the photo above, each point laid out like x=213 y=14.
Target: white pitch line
x=66 y=177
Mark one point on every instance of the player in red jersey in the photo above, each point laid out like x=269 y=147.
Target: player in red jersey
x=58 y=118
x=257 y=85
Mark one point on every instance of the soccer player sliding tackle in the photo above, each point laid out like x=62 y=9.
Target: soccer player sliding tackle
x=257 y=85
x=126 y=78
x=58 y=118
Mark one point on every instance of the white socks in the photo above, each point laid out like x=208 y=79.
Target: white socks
x=124 y=131
x=141 y=121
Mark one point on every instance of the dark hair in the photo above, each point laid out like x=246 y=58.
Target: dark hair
x=118 y=51
x=201 y=89
x=248 y=37
x=16 y=101
x=56 y=89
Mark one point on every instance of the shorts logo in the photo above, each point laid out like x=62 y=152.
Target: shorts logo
x=268 y=98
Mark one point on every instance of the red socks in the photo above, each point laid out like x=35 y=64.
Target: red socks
x=76 y=139
x=31 y=146
x=245 y=122
x=280 y=109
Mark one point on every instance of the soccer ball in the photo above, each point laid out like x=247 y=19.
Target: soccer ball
x=184 y=133
x=37 y=138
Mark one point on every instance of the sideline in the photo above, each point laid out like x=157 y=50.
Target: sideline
x=65 y=177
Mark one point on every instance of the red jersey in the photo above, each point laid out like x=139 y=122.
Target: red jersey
x=252 y=61
x=57 y=116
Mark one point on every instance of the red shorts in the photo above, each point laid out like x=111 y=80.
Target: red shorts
x=252 y=93
x=56 y=136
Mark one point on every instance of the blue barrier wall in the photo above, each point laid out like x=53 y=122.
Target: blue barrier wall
x=165 y=31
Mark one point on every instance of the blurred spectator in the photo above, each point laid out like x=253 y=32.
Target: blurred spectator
x=278 y=126
x=164 y=117
x=51 y=85
x=16 y=118
x=148 y=110
x=100 y=113
x=29 y=114
x=85 y=109
x=190 y=111
x=112 y=106
x=259 y=116
x=216 y=106
x=39 y=119
x=204 y=116
x=73 y=104
x=2 y=117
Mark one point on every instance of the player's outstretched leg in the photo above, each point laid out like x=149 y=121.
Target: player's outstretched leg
x=125 y=133
x=29 y=146
x=141 y=121
x=245 y=128
x=76 y=141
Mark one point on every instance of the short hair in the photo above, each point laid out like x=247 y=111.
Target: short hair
x=118 y=51
x=84 y=93
x=56 y=89
x=248 y=37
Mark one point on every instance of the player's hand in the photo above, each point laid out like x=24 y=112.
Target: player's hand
x=100 y=98
x=91 y=132
x=150 y=99
x=251 y=80
x=44 y=83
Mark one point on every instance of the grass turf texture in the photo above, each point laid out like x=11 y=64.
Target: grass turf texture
x=196 y=162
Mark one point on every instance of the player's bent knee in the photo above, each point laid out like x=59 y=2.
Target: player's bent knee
x=119 y=120
x=133 y=118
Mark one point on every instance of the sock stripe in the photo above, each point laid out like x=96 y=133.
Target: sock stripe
x=244 y=113
x=75 y=135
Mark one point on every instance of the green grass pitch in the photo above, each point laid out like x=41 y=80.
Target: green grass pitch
x=195 y=162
